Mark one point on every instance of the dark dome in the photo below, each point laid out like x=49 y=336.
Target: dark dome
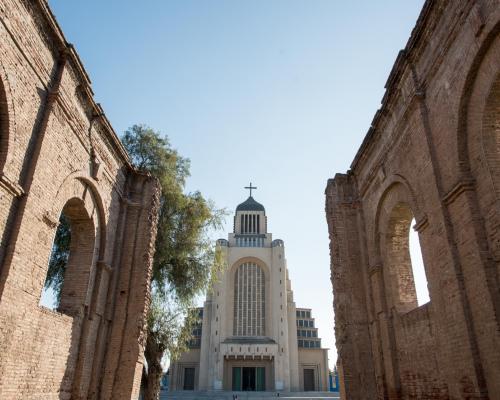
x=250 y=205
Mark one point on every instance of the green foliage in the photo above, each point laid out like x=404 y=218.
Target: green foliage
x=151 y=152
x=59 y=257
x=185 y=260
x=170 y=324
x=184 y=250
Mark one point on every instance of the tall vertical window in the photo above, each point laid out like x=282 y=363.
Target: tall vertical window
x=249 y=301
x=418 y=269
x=405 y=266
x=258 y=223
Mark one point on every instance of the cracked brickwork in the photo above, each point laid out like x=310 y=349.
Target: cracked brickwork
x=432 y=153
x=58 y=152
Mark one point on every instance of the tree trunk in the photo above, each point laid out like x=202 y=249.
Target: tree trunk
x=155 y=370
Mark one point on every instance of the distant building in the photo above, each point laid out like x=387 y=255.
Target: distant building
x=333 y=379
x=251 y=337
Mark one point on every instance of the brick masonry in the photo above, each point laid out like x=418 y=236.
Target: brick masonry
x=58 y=152
x=432 y=153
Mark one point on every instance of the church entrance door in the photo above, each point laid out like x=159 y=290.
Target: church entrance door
x=308 y=380
x=249 y=379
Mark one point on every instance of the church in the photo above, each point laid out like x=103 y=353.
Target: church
x=251 y=336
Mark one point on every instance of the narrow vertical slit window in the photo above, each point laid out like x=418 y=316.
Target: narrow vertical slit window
x=417 y=264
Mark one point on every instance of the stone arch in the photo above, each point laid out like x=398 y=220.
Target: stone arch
x=480 y=79
x=255 y=260
x=478 y=138
x=80 y=185
x=77 y=200
x=396 y=185
x=393 y=223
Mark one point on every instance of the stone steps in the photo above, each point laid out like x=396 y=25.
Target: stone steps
x=221 y=395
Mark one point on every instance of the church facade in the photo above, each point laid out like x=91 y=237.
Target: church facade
x=251 y=336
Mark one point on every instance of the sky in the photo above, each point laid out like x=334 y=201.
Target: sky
x=279 y=93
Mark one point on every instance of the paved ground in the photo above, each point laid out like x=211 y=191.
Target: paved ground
x=246 y=395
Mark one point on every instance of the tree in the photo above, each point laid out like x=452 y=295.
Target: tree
x=185 y=260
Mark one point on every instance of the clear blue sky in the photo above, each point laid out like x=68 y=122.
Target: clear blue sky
x=277 y=92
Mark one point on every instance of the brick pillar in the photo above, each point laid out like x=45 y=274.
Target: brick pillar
x=348 y=275
x=125 y=345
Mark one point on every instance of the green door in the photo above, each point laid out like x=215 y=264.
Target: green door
x=237 y=378
x=261 y=379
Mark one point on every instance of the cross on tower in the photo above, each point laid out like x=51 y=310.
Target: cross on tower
x=250 y=187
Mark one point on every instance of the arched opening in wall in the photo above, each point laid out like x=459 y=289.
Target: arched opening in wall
x=417 y=266
x=72 y=257
x=405 y=261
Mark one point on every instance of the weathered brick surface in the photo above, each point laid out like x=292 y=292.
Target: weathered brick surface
x=432 y=153
x=58 y=151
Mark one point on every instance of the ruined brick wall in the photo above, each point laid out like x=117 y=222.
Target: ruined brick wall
x=432 y=153
x=58 y=152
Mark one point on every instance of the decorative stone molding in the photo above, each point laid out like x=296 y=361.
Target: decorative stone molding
x=421 y=224
x=464 y=185
x=12 y=187
x=50 y=219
